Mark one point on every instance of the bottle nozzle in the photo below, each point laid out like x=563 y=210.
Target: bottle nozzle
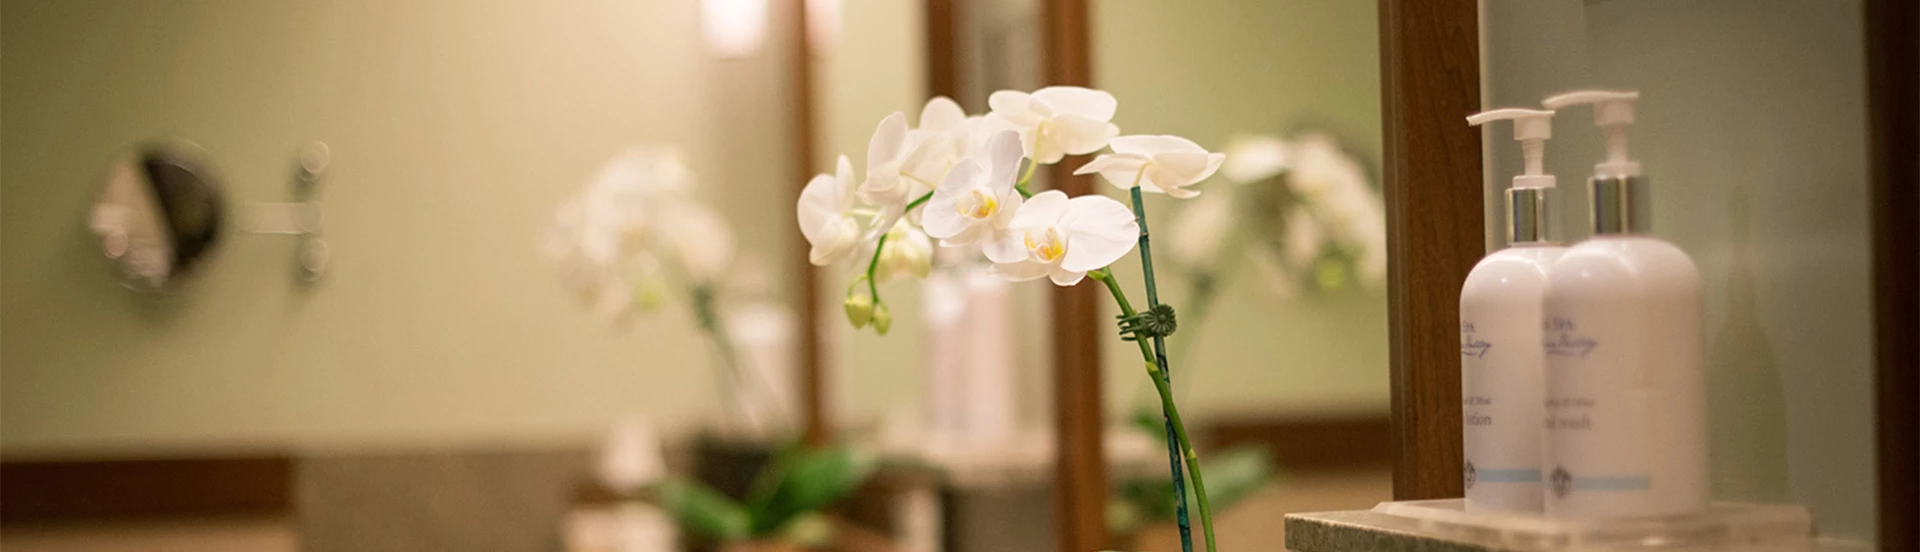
x=1532 y=128
x=1612 y=112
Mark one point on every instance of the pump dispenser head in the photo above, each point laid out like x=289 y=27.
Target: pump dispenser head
x=1527 y=199
x=1612 y=112
x=1619 y=188
x=1532 y=128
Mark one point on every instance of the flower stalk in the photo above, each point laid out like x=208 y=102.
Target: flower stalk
x=1177 y=440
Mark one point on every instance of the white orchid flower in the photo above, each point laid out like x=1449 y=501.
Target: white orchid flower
x=1255 y=158
x=700 y=239
x=1057 y=121
x=1202 y=230
x=975 y=203
x=1305 y=238
x=1062 y=238
x=908 y=252
x=833 y=219
x=946 y=136
x=887 y=156
x=1166 y=164
x=1320 y=167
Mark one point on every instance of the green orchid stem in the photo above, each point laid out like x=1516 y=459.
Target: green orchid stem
x=1177 y=429
x=873 y=265
x=708 y=316
x=873 y=285
x=1165 y=378
x=918 y=200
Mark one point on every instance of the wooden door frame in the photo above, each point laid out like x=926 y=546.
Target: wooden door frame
x=1080 y=470
x=1893 y=119
x=1429 y=83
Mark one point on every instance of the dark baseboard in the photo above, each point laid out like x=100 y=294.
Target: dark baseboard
x=1310 y=443
x=133 y=489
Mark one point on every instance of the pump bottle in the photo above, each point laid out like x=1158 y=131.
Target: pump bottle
x=1626 y=402
x=1502 y=369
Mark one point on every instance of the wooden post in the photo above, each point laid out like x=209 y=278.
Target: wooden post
x=1080 y=473
x=813 y=371
x=943 y=50
x=1893 y=120
x=1430 y=82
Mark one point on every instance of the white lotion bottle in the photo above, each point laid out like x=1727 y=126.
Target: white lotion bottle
x=1626 y=382
x=1502 y=368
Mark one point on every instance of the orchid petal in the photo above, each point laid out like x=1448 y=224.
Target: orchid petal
x=1083 y=102
x=1075 y=135
x=1007 y=249
x=1017 y=108
x=941 y=114
x=889 y=141
x=1103 y=230
x=1123 y=162
x=1005 y=153
x=1043 y=209
x=1063 y=277
x=818 y=202
x=1150 y=144
x=1180 y=168
x=1020 y=271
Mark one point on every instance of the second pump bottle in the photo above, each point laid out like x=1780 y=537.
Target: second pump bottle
x=1610 y=396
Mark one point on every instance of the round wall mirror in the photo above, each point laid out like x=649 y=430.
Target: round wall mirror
x=160 y=216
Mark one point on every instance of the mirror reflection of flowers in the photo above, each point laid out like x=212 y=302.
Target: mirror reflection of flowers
x=1304 y=214
x=635 y=236
x=963 y=182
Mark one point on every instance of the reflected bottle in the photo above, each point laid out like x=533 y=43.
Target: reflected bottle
x=1626 y=389
x=1747 y=407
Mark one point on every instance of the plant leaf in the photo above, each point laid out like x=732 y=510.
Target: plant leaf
x=1232 y=476
x=701 y=510
x=813 y=479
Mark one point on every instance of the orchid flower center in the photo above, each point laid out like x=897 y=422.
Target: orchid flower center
x=978 y=204
x=1047 y=245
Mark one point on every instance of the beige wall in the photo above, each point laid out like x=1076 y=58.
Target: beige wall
x=1208 y=70
x=456 y=127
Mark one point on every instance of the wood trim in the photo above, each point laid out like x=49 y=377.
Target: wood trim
x=1430 y=81
x=1893 y=108
x=1317 y=443
x=131 y=489
x=943 y=50
x=1080 y=500
x=800 y=104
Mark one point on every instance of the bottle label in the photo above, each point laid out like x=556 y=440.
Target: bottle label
x=1501 y=386
x=1623 y=435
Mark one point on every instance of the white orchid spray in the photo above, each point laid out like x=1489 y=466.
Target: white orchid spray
x=635 y=233
x=963 y=181
x=1306 y=216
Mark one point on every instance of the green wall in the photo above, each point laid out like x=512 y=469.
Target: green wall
x=456 y=128
x=1208 y=70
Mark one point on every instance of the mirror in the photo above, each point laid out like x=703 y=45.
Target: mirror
x=160 y=215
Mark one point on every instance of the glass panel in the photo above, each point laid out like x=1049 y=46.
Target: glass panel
x=1752 y=130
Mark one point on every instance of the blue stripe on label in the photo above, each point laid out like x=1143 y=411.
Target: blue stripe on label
x=1507 y=476
x=1615 y=483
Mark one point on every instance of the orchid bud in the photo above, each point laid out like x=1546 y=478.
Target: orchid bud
x=882 y=320
x=859 y=309
x=649 y=295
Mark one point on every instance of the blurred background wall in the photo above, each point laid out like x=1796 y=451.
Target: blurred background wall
x=1213 y=69
x=456 y=129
